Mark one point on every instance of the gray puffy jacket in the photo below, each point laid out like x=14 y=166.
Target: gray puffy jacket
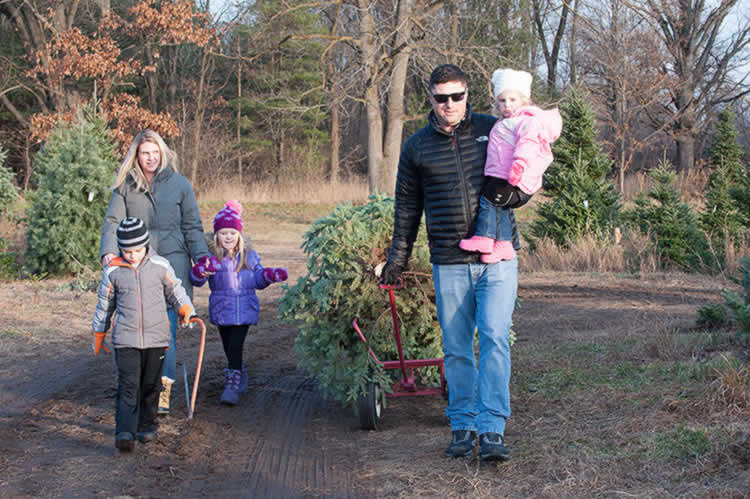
x=170 y=211
x=137 y=298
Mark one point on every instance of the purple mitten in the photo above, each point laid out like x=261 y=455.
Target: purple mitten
x=213 y=264
x=280 y=274
x=277 y=274
x=198 y=270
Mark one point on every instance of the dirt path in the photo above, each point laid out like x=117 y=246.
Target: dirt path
x=56 y=419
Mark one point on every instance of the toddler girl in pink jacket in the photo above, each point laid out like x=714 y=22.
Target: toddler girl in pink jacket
x=518 y=154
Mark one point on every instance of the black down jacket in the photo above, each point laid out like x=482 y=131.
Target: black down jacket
x=441 y=174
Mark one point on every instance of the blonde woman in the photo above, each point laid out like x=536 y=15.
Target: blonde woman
x=148 y=186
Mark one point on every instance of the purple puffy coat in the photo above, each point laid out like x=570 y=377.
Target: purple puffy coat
x=233 y=300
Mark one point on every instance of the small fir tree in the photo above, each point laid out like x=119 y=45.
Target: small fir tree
x=343 y=249
x=8 y=192
x=589 y=205
x=725 y=150
x=577 y=142
x=74 y=171
x=672 y=225
x=721 y=217
x=582 y=199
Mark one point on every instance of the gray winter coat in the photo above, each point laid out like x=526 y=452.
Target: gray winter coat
x=170 y=211
x=137 y=298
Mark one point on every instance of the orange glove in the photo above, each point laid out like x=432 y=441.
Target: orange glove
x=99 y=342
x=186 y=312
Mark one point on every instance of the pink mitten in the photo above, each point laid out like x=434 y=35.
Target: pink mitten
x=516 y=172
x=276 y=274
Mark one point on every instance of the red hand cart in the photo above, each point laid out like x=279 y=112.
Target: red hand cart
x=370 y=405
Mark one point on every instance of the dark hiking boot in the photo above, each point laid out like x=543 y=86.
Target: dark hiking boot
x=463 y=443
x=124 y=441
x=146 y=436
x=231 y=394
x=491 y=447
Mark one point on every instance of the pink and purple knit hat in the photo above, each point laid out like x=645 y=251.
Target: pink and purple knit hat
x=229 y=217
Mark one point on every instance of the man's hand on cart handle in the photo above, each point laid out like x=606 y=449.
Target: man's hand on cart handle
x=389 y=274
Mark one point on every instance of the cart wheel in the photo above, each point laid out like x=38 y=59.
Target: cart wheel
x=370 y=407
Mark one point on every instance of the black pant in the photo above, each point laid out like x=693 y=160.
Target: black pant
x=138 y=387
x=233 y=339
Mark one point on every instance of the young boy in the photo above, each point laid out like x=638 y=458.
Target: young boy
x=135 y=288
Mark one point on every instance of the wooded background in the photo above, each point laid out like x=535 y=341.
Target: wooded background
x=288 y=91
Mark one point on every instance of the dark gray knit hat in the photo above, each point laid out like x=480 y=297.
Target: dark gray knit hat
x=132 y=233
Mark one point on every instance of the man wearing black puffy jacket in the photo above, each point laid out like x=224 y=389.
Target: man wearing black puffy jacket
x=441 y=173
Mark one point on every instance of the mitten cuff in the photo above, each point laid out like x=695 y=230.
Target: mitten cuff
x=516 y=173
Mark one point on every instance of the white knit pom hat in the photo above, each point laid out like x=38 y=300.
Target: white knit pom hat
x=510 y=79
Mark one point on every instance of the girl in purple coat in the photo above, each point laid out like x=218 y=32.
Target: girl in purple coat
x=233 y=273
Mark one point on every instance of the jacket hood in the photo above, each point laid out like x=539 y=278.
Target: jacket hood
x=549 y=121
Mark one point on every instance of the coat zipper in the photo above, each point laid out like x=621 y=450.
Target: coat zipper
x=462 y=179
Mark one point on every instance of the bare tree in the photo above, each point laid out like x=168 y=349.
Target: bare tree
x=624 y=76
x=550 y=49
x=703 y=58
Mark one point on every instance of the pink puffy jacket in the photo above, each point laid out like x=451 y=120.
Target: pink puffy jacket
x=519 y=147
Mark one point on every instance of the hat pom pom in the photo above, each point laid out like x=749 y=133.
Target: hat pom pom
x=234 y=205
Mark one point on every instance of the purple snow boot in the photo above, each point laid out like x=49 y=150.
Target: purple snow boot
x=231 y=393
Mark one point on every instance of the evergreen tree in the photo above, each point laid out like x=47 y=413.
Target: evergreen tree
x=283 y=109
x=582 y=199
x=672 y=226
x=589 y=205
x=577 y=142
x=725 y=150
x=8 y=193
x=74 y=171
x=721 y=218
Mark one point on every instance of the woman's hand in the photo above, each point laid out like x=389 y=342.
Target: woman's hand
x=106 y=258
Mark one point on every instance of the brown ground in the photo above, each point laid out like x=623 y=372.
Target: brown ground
x=580 y=427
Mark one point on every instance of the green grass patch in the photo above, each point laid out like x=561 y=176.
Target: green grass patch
x=14 y=332
x=682 y=444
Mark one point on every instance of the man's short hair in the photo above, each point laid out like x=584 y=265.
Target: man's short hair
x=447 y=73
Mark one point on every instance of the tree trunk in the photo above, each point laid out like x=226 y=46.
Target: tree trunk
x=455 y=24
x=200 y=112
x=374 y=137
x=334 y=163
x=572 y=45
x=152 y=80
x=395 y=109
x=239 y=112
x=372 y=100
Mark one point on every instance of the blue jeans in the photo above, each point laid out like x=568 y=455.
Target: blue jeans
x=170 y=357
x=481 y=297
x=493 y=222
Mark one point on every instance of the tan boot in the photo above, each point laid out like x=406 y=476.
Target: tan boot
x=166 y=388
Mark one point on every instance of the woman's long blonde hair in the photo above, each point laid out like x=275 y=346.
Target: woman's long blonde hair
x=239 y=251
x=168 y=158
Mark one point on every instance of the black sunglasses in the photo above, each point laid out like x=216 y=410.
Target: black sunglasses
x=443 y=98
